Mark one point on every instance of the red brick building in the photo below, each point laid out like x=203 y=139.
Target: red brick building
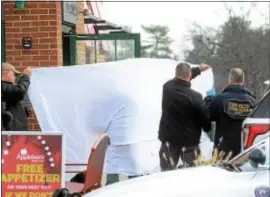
x=46 y=23
x=50 y=26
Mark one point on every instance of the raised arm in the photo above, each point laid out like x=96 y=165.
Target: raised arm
x=195 y=71
x=16 y=92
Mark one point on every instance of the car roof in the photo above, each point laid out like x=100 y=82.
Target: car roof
x=166 y=182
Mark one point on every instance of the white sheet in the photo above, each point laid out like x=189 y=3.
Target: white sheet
x=122 y=98
x=143 y=157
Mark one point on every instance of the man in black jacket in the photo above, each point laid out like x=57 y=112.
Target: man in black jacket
x=228 y=110
x=13 y=94
x=184 y=115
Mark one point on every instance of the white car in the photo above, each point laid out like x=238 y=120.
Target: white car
x=247 y=175
x=257 y=126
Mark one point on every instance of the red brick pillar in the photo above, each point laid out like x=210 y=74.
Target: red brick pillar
x=43 y=22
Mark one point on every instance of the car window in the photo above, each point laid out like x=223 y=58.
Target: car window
x=243 y=163
x=263 y=108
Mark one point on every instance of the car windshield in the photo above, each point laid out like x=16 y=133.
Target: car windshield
x=242 y=162
x=262 y=109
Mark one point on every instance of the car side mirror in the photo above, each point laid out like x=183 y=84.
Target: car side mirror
x=257 y=157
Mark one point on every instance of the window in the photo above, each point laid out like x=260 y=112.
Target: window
x=243 y=163
x=263 y=108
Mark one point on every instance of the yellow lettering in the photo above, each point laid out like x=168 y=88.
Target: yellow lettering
x=32 y=168
x=232 y=106
x=20 y=194
x=24 y=178
x=238 y=108
x=19 y=167
x=10 y=177
x=4 y=178
x=17 y=177
x=30 y=178
x=56 y=178
x=244 y=108
x=26 y=168
x=40 y=194
x=38 y=169
x=8 y=194
x=49 y=178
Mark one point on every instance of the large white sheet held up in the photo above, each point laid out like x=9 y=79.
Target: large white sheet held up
x=122 y=98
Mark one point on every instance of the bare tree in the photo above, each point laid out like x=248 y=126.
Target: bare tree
x=234 y=44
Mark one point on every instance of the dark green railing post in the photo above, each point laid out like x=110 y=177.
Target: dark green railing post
x=73 y=50
x=115 y=49
x=137 y=41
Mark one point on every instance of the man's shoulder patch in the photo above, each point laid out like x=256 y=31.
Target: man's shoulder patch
x=237 y=108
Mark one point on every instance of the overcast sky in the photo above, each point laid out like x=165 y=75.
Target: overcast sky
x=177 y=15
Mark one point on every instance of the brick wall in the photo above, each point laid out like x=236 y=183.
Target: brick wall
x=80 y=29
x=41 y=21
x=84 y=50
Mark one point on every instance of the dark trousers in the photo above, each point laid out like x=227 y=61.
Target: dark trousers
x=187 y=155
x=228 y=147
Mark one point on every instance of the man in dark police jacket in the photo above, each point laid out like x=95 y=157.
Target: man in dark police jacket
x=228 y=110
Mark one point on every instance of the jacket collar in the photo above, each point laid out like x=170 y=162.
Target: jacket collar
x=237 y=89
x=182 y=82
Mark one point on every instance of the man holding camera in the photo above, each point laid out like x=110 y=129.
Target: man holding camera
x=13 y=94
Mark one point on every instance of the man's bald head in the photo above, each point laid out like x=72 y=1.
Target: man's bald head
x=183 y=71
x=237 y=76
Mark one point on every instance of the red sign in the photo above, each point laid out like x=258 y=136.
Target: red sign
x=32 y=164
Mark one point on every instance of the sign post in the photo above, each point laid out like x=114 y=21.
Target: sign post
x=32 y=164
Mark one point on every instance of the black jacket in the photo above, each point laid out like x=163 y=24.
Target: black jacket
x=6 y=118
x=13 y=96
x=184 y=114
x=228 y=119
